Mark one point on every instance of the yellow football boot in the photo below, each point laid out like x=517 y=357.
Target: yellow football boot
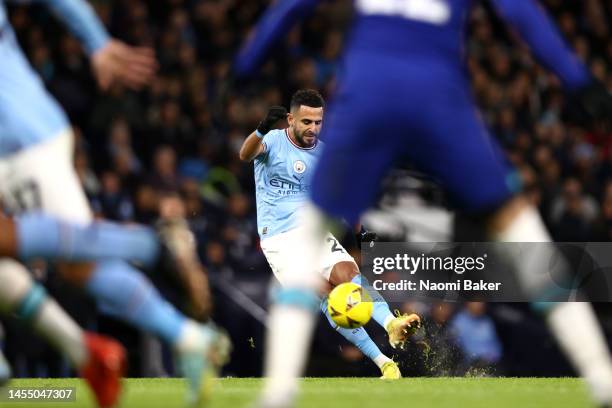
x=390 y=371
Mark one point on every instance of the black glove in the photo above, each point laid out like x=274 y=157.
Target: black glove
x=590 y=103
x=366 y=237
x=275 y=113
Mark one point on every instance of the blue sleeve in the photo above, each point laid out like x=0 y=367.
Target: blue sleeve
x=545 y=42
x=81 y=20
x=269 y=142
x=272 y=27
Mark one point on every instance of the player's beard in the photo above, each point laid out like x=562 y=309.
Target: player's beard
x=301 y=138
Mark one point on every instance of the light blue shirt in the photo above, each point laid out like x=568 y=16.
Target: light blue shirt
x=28 y=112
x=283 y=174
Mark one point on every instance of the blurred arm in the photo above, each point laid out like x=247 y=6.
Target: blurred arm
x=81 y=20
x=273 y=26
x=251 y=148
x=112 y=61
x=545 y=42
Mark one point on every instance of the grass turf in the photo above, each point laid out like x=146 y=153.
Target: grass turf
x=343 y=393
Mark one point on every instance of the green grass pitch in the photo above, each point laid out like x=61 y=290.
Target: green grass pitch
x=344 y=393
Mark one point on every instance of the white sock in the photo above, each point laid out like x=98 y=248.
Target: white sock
x=526 y=227
x=287 y=345
x=574 y=324
x=381 y=360
x=388 y=320
x=576 y=328
x=191 y=338
x=290 y=325
x=61 y=331
x=50 y=319
x=15 y=283
x=532 y=262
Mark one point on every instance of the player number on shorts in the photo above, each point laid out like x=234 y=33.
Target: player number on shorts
x=25 y=197
x=428 y=11
x=336 y=247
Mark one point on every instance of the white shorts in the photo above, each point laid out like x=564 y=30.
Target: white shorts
x=42 y=177
x=280 y=251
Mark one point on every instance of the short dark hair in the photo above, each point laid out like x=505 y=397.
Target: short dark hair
x=307 y=97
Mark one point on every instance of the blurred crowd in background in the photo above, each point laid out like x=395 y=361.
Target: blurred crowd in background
x=174 y=148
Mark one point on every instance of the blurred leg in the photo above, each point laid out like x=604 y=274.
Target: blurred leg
x=28 y=300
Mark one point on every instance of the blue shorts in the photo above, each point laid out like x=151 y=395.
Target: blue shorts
x=388 y=109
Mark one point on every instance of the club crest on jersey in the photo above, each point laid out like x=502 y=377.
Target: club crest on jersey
x=299 y=166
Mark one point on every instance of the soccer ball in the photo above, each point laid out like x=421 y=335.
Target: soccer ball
x=349 y=305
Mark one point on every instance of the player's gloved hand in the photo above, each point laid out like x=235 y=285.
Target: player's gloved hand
x=366 y=237
x=275 y=113
x=590 y=103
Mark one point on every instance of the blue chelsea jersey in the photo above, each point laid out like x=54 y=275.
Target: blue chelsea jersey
x=282 y=179
x=420 y=32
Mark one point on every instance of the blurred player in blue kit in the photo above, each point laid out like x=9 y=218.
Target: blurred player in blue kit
x=284 y=162
x=404 y=93
x=36 y=173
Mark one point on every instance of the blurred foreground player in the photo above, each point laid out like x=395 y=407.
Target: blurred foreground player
x=167 y=250
x=100 y=361
x=284 y=161
x=404 y=94
x=36 y=147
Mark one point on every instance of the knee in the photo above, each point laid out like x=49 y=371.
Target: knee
x=343 y=272
x=8 y=239
x=326 y=288
x=15 y=283
x=77 y=273
x=503 y=215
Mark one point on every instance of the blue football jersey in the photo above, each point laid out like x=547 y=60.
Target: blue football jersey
x=28 y=112
x=283 y=175
x=419 y=30
x=403 y=79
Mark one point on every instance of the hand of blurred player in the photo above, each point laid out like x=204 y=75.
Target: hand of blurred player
x=275 y=113
x=117 y=62
x=590 y=103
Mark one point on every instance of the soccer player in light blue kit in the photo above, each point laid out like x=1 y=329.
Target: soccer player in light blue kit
x=36 y=173
x=284 y=160
x=164 y=251
x=404 y=94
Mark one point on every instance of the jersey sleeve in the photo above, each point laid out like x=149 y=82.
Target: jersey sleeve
x=271 y=28
x=81 y=20
x=270 y=142
x=545 y=42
